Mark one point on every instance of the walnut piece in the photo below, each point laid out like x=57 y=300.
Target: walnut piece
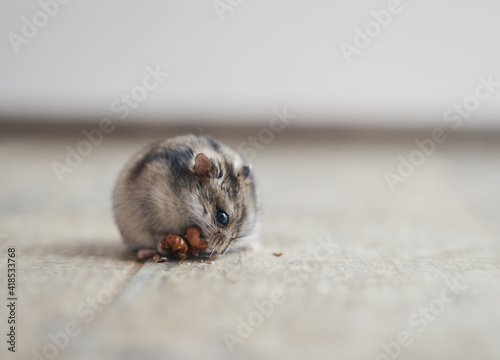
x=183 y=247
x=174 y=244
x=193 y=238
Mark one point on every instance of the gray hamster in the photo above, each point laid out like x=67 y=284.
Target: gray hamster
x=187 y=181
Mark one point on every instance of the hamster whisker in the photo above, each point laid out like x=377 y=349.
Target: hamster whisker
x=219 y=242
x=225 y=247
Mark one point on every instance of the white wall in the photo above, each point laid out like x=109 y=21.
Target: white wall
x=264 y=54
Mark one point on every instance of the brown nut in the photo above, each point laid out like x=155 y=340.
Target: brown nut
x=193 y=238
x=175 y=245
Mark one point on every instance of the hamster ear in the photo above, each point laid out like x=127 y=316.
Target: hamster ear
x=245 y=171
x=202 y=165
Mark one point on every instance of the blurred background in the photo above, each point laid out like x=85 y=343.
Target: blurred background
x=373 y=127
x=231 y=62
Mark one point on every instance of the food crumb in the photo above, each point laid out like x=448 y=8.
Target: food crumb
x=206 y=262
x=158 y=259
x=277 y=254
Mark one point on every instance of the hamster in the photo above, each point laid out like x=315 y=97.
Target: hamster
x=187 y=181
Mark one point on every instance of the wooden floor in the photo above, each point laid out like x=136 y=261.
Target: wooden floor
x=366 y=273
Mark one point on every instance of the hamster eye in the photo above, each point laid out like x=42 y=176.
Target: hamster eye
x=222 y=217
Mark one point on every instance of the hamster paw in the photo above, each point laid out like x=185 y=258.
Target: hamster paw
x=144 y=254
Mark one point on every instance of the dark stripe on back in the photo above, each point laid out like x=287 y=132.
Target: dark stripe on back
x=178 y=160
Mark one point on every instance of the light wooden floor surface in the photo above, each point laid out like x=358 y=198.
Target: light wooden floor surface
x=362 y=268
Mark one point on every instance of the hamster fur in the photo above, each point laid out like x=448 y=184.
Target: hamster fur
x=187 y=181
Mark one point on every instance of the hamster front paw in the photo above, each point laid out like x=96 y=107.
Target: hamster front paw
x=143 y=254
